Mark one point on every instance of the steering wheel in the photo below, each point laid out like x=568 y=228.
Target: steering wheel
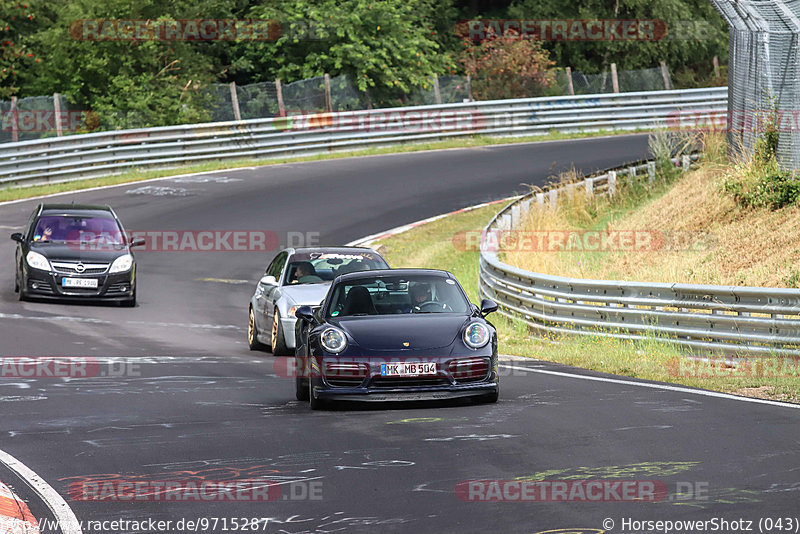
x=432 y=305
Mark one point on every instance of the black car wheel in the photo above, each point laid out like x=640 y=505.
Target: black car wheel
x=16 y=280
x=278 y=341
x=301 y=389
x=252 y=333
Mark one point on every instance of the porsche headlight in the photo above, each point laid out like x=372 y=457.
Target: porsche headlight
x=476 y=335
x=37 y=261
x=122 y=264
x=333 y=340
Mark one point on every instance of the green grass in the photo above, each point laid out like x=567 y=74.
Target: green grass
x=654 y=358
x=136 y=175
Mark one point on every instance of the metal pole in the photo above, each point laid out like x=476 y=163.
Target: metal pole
x=328 y=100
x=14 y=120
x=57 y=108
x=614 y=79
x=279 y=91
x=569 y=81
x=235 y=102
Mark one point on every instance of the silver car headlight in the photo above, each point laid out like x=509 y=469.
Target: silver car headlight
x=122 y=264
x=333 y=340
x=476 y=335
x=38 y=261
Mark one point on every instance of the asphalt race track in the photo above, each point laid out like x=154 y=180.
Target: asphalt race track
x=179 y=397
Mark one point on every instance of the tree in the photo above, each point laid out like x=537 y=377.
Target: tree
x=507 y=67
x=17 y=21
x=387 y=47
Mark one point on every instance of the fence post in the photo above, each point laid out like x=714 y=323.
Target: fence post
x=279 y=93
x=57 y=109
x=612 y=183
x=665 y=75
x=685 y=162
x=589 y=186
x=235 y=102
x=569 y=81
x=651 y=171
x=716 y=67
x=436 y=92
x=553 y=194
x=469 y=88
x=614 y=79
x=14 y=120
x=328 y=100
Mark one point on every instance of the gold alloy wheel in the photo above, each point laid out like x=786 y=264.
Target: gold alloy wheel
x=251 y=327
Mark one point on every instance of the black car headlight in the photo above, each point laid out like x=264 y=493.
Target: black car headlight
x=476 y=335
x=333 y=340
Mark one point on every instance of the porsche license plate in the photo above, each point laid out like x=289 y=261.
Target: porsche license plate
x=79 y=282
x=408 y=369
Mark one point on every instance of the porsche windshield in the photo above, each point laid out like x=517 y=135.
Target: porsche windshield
x=389 y=295
x=73 y=228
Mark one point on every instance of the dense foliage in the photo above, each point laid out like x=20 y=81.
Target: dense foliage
x=389 y=48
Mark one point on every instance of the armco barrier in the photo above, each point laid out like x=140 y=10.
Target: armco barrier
x=75 y=157
x=727 y=319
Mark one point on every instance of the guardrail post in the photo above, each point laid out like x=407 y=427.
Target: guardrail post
x=631 y=175
x=328 y=99
x=588 y=184
x=614 y=79
x=665 y=75
x=612 y=183
x=279 y=94
x=685 y=162
x=540 y=198
x=14 y=120
x=235 y=102
x=57 y=109
x=651 y=171
x=569 y=81
x=515 y=216
x=553 y=194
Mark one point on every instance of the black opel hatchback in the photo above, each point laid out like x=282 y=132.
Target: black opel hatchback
x=75 y=252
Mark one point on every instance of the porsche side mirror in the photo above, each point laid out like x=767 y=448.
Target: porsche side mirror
x=138 y=242
x=16 y=236
x=268 y=281
x=305 y=313
x=488 y=306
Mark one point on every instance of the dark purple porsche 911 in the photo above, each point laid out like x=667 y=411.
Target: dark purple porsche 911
x=396 y=335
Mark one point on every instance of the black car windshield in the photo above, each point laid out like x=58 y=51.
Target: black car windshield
x=74 y=228
x=389 y=295
x=321 y=267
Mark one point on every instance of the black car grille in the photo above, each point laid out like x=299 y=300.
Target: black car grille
x=71 y=267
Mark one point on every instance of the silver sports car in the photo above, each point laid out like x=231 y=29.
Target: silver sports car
x=294 y=278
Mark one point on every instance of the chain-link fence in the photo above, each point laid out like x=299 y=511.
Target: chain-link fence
x=655 y=79
x=35 y=116
x=763 y=75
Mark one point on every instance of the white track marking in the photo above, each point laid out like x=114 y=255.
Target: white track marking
x=650 y=385
x=61 y=511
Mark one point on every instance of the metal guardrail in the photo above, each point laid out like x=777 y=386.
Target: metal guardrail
x=727 y=319
x=98 y=154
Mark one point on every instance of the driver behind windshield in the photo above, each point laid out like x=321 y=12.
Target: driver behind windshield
x=420 y=293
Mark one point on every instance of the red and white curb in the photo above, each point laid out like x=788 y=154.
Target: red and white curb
x=370 y=239
x=15 y=516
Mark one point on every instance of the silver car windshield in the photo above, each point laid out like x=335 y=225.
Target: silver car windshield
x=318 y=268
